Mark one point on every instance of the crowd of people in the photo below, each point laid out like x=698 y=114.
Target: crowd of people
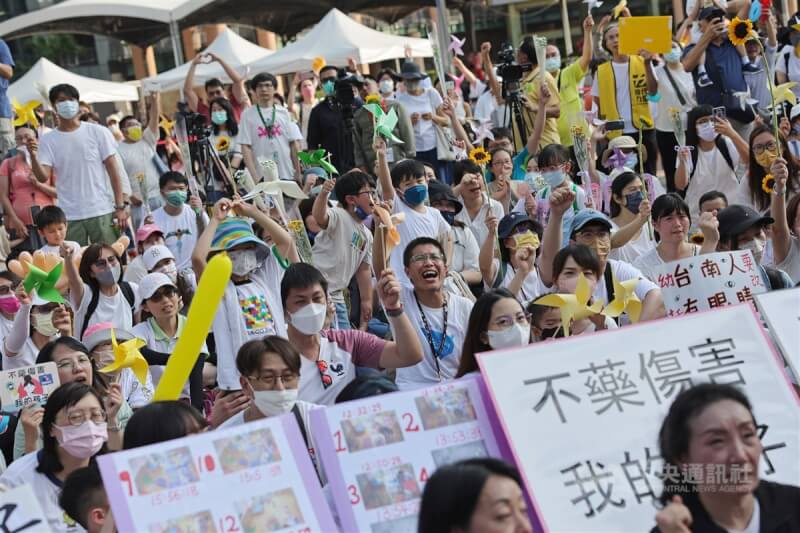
x=388 y=262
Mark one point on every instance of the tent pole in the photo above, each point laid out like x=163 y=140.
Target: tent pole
x=175 y=37
x=444 y=35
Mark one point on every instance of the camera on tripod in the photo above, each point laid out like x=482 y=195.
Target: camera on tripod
x=196 y=128
x=511 y=71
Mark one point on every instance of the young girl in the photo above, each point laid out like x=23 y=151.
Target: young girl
x=630 y=211
x=224 y=140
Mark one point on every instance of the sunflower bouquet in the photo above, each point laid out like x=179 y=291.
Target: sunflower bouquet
x=480 y=156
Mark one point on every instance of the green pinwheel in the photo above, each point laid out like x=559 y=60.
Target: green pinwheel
x=384 y=122
x=317 y=158
x=44 y=283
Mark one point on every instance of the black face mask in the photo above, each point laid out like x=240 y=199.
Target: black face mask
x=449 y=216
x=552 y=333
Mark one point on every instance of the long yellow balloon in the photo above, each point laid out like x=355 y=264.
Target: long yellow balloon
x=201 y=314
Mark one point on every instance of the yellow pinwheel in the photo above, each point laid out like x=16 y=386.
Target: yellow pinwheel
x=625 y=300
x=318 y=64
x=617 y=11
x=167 y=125
x=127 y=355
x=783 y=93
x=25 y=114
x=573 y=306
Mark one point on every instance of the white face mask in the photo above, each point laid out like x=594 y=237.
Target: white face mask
x=244 y=261
x=309 y=319
x=756 y=246
x=511 y=337
x=706 y=131
x=171 y=271
x=274 y=402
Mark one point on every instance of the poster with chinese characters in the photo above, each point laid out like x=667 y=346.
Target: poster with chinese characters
x=27 y=385
x=20 y=511
x=583 y=414
x=781 y=310
x=250 y=478
x=709 y=281
x=382 y=450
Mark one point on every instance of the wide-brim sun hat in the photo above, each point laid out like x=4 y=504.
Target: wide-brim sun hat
x=625 y=142
x=234 y=231
x=410 y=71
x=100 y=333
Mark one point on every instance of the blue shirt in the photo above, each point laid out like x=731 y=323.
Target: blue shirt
x=724 y=67
x=5 y=103
x=519 y=163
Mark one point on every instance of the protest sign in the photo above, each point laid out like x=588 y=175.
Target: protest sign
x=653 y=34
x=709 y=281
x=781 y=310
x=379 y=452
x=27 y=385
x=20 y=511
x=253 y=477
x=582 y=414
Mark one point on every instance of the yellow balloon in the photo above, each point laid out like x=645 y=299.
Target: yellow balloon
x=201 y=314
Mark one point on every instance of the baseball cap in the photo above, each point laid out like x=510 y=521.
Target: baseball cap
x=736 y=219
x=154 y=254
x=711 y=12
x=145 y=231
x=150 y=284
x=511 y=221
x=586 y=216
x=438 y=191
x=100 y=333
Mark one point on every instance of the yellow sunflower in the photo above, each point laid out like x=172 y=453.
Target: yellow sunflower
x=373 y=99
x=740 y=31
x=223 y=143
x=768 y=184
x=479 y=156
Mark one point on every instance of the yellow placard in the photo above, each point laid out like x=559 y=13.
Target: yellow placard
x=201 y=313
x=653 y=34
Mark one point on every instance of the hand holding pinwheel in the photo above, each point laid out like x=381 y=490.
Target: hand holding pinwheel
x=572 y=306
x=625 y=300
x=317 y=158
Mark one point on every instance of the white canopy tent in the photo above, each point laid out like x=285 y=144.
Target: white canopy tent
x=45 y=74
x=336 y=38
x=234 y=49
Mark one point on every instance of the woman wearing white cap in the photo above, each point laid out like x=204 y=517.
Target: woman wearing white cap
x=37 y=322
x=162 y=302
x=147 y=236
x=159 y=258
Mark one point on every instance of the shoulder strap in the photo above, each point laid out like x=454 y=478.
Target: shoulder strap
x=609 y=281
x=92 y=307
x=300 y=423
x=695 y=154
x=723 y=149
x=678 y=93
x=774 y=278
x=127 y=292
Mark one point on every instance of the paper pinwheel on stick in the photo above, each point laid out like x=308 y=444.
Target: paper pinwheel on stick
x=625 y=300
x=127 y=355
x=783 y=93
x=456 y=45
x=44 y=283
x=573 y=306
x=384 y=122
x=482 y=129
x=318 y=158
x=25 y=114
x=591 y=4
x=617 y=11
x=387 y=226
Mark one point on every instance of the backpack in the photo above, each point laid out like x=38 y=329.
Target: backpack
x=722 y=146
x=127 y=292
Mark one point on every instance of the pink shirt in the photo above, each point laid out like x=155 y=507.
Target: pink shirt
x=22 y=193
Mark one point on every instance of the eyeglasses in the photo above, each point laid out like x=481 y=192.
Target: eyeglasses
x=421 y=258
x=771 y=146
x=102 y=264
x=506 y=321
x=593 y=235
x=371 y=193
x=167 y=291
x=289 y=379
x=76 y=418
x=69 y=364
x=6 y=290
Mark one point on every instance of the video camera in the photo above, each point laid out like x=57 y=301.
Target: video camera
x=511 y=71
x=196 y=128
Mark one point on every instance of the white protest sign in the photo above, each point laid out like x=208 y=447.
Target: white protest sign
x=253 y=477
x=20 y=511
x=708 y=281
x=27 y=385
x=379 y=452
x=781 y=310
x=582 y=414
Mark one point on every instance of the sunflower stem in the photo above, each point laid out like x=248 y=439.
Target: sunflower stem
x=775 y=130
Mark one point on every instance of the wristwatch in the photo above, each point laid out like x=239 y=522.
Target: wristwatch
x=394 y=313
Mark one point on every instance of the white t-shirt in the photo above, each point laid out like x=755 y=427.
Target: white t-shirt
x=465 y=251
x=531 y=288
x=648 y=262
x=46 y=487
x=340 y=352
x=791 y=264
x=634 y=247
x=26 y=356
x=623 y=88
x=428 y=102
x=5 y=328
x=794 y=66
x=57 y=250
x=669 y=98
x=180 y=233
x=478 y=224
x=138 y=161
x=416 y=224
x=623 y=272
x=340 y=249
x=114 y=309
x=713 y=174
x=253 y=133
x=425 y=372
x=76 y=157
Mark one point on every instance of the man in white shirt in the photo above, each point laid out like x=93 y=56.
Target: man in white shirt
x=266 y=131
x=80 y=154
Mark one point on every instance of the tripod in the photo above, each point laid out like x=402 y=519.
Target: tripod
x=513 y=114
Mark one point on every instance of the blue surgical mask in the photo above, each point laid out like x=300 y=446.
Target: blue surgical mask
x=360 y=213
x=329 y=87
x=633 y=200
x=67 y=109
x=534 y=180
x=552 y=64
x=673 y=56
x=449 y=216
x=219 y=117
x=631 y=160
x=386 y=86
x=415 y=195
x=176 y=198
x=554 y=178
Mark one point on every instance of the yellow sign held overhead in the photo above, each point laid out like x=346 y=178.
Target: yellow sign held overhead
x=653 y=34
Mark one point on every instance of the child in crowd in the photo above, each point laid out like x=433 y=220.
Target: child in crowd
x=83 y=498
x=51 y=223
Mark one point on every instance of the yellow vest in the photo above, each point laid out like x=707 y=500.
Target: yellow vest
x=607 y=87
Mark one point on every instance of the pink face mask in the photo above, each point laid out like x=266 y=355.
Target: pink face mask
x=9 y=304
x=307 y=91
x=83 y=441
